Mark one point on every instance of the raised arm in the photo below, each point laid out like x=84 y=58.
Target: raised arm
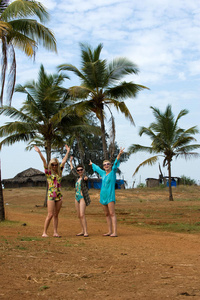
x=96 y=168
x=66 y=156
x=71 y=165
x=120 y=153
x=41 y=156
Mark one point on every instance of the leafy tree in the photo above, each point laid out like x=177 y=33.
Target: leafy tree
x=101 y=86
x=91 y=148
x=17 y=30
x=168 y=140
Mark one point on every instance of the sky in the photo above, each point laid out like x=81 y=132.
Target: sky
x=161 y=37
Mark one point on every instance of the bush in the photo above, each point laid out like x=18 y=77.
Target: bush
x=141 y=185
x=187 y=180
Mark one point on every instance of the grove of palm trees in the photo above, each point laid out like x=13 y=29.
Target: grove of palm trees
x=103 y=78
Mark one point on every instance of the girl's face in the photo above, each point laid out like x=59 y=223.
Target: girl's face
x=54 y=166
x=107 y=165
x=80 y=171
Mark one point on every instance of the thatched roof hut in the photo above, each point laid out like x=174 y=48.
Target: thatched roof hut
x=28 y=178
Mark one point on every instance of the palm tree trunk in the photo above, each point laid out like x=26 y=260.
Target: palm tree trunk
x=79 y=148
x=170 y=182
x=2 y=210
x=103 y=135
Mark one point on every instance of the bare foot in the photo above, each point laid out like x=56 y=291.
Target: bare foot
x=113 y=235
x=86 y=235
x=107 y=234
x=57 y=235
x=44 y=235
x=80 y=234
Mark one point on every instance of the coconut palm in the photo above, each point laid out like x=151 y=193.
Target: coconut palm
x=47 y=115
x=101 y=85
x=44 y=112
x=168 y=140
x=18 y=30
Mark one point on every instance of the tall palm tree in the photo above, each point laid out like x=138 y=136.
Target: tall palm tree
x=17 y=30
x=101 y=85
x=168 y=140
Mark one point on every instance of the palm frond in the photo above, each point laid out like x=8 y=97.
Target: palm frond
x=35 y=31
x=124 y=90
x=150 y=161
x=23 y=8
x=138 y=148
x=11 y=139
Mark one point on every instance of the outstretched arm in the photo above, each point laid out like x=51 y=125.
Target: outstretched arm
x=71 y=165
x=120 y=153
x=41 y=156
x=66 y=156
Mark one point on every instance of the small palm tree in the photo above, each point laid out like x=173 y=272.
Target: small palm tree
x=43 y=111
x=168 y=140
x=101 y=85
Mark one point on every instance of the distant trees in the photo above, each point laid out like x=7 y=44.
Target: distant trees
x=185 y=180
x=168 y=140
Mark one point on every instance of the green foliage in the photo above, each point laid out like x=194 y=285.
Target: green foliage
x=20 y=30
x=187 y=180
x=141 y=185
x=167 y=140
x=102 y=87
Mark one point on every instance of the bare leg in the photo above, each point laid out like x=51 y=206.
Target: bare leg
x=58 y=205
x=50 y=209
x=108 y=219
x=77 y=206
x=80 y=208
x=111 y=208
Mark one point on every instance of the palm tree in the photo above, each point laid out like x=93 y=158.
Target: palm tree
x=17 y=30
x=39 y=119
x=101 y=85
x=168 y=140
x=47 y=115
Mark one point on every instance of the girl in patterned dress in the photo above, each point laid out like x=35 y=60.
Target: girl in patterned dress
x=107 y=194
x=82 y=198
x=53 y=174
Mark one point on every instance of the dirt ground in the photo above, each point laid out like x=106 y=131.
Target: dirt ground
x=143 y=262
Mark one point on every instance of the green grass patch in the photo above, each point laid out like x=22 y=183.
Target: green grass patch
x=44 y=287
x=173 y=227
x=8 y=223
x=29 y=239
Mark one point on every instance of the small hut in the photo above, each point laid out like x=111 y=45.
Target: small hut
x=152 y=182
x=28 y=178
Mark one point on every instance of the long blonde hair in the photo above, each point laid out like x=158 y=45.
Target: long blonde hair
x=54 y=160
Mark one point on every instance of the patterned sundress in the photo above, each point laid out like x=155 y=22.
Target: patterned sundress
x=54 y=185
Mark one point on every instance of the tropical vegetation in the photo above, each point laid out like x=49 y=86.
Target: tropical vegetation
x=168 y=140
x=19 y=30
x=102 y=87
